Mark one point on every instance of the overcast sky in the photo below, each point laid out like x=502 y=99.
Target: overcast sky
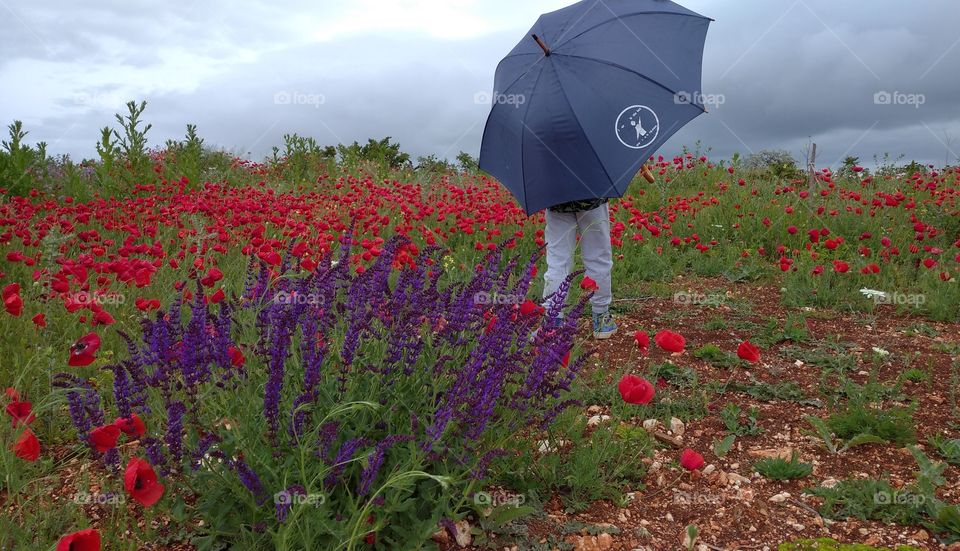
x=781 y=72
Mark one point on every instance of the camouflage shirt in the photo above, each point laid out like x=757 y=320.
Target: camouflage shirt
x=579 y=206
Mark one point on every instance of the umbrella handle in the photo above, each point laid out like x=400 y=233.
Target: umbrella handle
x=647 y=175
x=542 y=45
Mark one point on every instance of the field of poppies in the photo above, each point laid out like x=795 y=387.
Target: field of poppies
x=335 y=350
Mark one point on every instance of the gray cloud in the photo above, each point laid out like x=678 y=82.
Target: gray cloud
x=788 y=71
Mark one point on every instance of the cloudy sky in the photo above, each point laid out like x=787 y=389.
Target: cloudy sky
x=780 y=72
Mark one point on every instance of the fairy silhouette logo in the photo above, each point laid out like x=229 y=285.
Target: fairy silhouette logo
x=637 y=126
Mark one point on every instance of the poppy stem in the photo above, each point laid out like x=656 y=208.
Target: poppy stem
x=541 y=44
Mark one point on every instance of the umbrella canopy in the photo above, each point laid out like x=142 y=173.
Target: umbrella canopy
x=589 y=95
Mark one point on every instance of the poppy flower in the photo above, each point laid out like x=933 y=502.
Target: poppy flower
x=670 y=341
x=140 y=481
x=588 y=284
x=20 y=412
x=82 y=352
x=642 y=339
x=40 y=320
x=748 y=351
x=132 y=426
x=12 y=394
x=216 y=297
x=27 y=446
x=236 y=357
x=84 y=540
x=103 y=318
x=529 y=307
x=105 y=438
x=635 y=390
x=840 y=266
x=213 y=276
x=691 y=460
x=13 y=304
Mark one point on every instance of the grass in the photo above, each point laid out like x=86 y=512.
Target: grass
x=778 y=468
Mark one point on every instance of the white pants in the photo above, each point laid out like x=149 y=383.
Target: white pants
x=561 y=237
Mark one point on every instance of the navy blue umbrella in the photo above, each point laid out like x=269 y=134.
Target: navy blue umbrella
x=594 y=90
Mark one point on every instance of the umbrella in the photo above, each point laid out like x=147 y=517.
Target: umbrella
x=596 y=88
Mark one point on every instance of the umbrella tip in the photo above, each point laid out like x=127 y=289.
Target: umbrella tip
x=542 y=45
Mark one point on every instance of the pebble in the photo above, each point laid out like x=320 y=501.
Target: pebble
x=676 y=426
x=709 y=469
x=593 y=410
x=781 y=497
x=597 y=419
x=650 y=424
x=655 y=466
x=830 y=483
x=463 y=533
x=669 y=517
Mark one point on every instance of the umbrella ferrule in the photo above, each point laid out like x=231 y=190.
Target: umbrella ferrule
x=542 y=45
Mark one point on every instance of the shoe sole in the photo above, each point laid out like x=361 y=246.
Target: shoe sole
x=603 y=335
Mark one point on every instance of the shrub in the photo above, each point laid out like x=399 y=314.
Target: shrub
x=368 y=409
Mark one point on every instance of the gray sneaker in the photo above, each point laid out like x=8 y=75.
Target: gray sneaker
x=603 y=326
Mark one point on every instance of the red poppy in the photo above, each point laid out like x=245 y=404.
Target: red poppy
x=213 y=276
x=670 y=341
x=635 y=390
x=840 y=266
x=132 y=426
x=12 y=394
x=529 y=307
x=82 y=352
x=27 y=446
x=13 y=304
x=105 y=438
x=103 y=318
x=40 y=320
x=216 y=297
x=588 y=284
x=20 y=412
x=84 y=540
x=642 y=339
x=141 y=482
x=691 y=460
x=748 y=351
x=490 y=324
x=236 y=357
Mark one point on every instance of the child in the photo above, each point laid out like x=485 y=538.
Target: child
x=592 y=219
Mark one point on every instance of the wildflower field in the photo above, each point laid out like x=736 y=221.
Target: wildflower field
x=332 y=349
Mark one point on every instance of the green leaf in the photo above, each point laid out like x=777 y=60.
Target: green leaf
x=508 y=513
x=823 y=432
x=861 y=439
x=722 y=447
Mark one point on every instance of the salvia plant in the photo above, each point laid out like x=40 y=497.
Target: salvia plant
x=330 y=409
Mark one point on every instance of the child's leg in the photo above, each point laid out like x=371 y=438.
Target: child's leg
x=597 y=254
x=561 y=237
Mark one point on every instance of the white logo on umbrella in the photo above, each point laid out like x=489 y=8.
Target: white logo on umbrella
x=637 y=126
